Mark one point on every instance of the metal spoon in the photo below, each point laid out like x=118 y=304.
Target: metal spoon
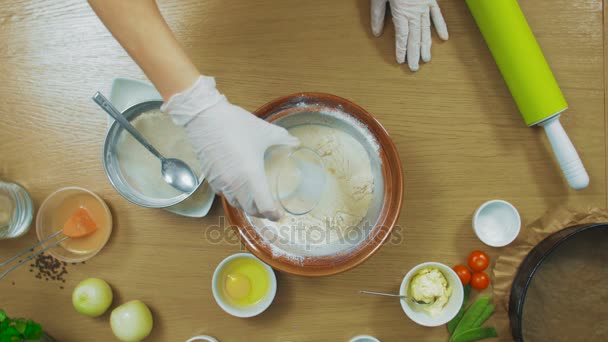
x=175 y=172
x=419 y=302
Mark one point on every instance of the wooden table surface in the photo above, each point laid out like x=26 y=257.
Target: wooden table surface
x=459 y=135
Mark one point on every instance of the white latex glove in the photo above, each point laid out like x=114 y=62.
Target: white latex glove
x=412 y=20
x=230 y=143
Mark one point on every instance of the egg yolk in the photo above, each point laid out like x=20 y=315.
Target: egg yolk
x=238 y=286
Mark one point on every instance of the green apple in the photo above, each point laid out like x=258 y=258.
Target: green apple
x=132 y=321
x=92 y=297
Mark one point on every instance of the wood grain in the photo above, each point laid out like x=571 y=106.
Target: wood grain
x=455 y=125
x=605 y=15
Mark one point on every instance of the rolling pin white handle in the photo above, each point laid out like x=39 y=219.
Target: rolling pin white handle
x=566 y=154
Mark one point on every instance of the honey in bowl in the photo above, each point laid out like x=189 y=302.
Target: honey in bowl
x=245 y=281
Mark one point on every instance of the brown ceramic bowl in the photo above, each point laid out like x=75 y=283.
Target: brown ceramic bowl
x=312 y=108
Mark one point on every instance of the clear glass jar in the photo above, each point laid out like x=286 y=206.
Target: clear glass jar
x=16 y=210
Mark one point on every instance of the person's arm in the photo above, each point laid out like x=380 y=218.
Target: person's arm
x=141 y=30
x=230 y=142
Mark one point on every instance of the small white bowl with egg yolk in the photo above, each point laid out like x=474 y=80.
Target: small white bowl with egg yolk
x=244 y=286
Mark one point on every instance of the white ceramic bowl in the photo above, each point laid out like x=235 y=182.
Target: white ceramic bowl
x=202 y=338
x=364 y=338
x=496 y=223
x=243 y=311
x=451 y=308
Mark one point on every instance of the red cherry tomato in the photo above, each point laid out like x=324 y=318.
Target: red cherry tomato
x=478 y=261
x=463 y=273
x=480 y=281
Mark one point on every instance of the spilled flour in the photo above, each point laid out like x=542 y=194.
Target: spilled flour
x=334 y=224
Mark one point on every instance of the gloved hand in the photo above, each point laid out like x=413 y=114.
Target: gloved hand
x=412 y=20
x=230 y=143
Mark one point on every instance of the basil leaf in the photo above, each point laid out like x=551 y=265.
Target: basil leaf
x=20 y=325
x=4 y=324
x=33 y=331
x=10 y=331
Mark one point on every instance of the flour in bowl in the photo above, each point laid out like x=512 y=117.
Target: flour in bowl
x=335 y=223
x=142 y=169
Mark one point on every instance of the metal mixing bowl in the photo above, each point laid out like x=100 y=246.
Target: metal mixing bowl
x=317 y=108
x=114 y=170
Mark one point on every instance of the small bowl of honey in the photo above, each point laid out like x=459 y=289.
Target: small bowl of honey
x=74 y=208
x=244 y=286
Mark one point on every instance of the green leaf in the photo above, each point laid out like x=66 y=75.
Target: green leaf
x=454 y=322
x=33 y=331
x=471 y=315
x=18 y=329
x=20 y=325
x=487 y=312
x=475 y=334
x=10 y=331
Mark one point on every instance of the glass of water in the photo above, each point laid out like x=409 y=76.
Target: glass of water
x=296 y=177
x=16 y=210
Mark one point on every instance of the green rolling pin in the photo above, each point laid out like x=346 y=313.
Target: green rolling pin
x=529 y=78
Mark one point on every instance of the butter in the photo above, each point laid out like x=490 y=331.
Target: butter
x=429 y=285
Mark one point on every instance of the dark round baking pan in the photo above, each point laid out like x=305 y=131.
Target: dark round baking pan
x=562 y=246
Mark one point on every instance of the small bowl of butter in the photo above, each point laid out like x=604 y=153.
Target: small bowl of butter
x=244 y=286
x=438 y=287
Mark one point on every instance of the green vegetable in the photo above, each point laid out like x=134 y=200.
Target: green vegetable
x=18 y=329
x=487 y=312
x=475 y=334
x=471 y=315
x=454 y=322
